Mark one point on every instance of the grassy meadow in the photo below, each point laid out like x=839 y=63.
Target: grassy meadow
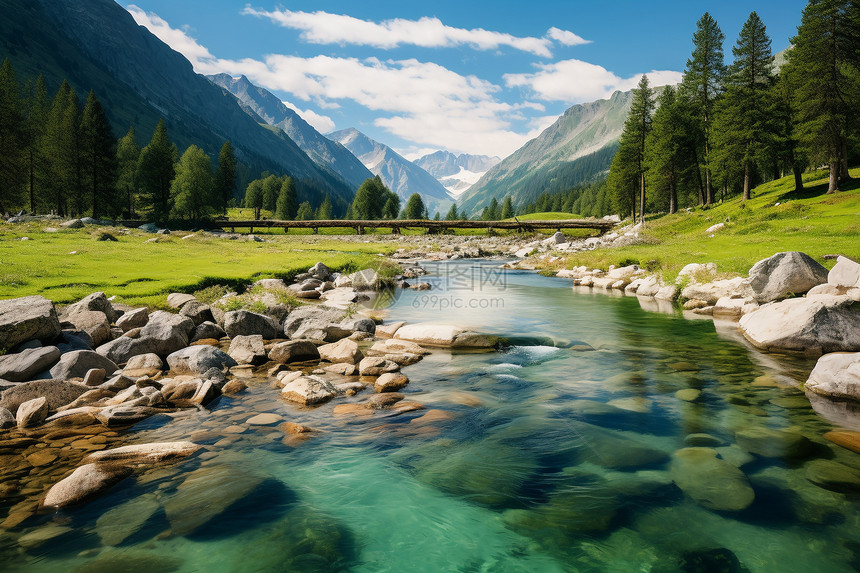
x=775 y=219
x=68 y=264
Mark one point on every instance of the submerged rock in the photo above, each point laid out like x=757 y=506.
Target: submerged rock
x=712 y=482
x=85 y=482
x=123 y=521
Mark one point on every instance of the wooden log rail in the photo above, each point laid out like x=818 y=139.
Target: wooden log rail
x=396 y=225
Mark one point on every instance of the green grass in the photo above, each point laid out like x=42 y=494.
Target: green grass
x=69 y=264
x=776 y=219
x=547 y=216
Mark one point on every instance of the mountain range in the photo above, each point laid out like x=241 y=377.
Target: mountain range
x=96 y=44
x=456 y=172
x=576 y=149
x=399 y=174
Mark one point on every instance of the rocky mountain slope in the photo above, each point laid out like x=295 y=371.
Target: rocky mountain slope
x=456 y=172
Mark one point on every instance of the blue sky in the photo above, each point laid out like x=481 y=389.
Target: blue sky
x=470 y=76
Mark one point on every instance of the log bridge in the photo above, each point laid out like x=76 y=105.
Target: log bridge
x=397 y=225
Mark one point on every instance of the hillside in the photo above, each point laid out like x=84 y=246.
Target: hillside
x=398 y=173
x=96 y=44
x=456 y=172
x=775 y=219
x=263 y=104
x=577 y=148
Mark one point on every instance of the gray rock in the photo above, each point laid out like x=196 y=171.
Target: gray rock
x=309 y=390
x=208 y=330
x=312 y=322
x=70 y=340
x=145 y=454
x=7 y=420
x=27 y=364
x=85 y=482
x=124 y=415
x=836 y=375
x=248 y=349
x=814 y=325
x=76 y=364
x=321 y=272
x=58 y=393
x=32 y=412
x=97 y=301
x=785 y=274
x=294 y=351
x=72 y=224
x=712 y=482
x=845 y=273
x=198 y=359
x=367 y=279
x=198 y=312
x=143 y=365
x=95 y=323
x=164 y=333
x=376 y=366
x=345 y=351
x=94 y=377
x=27 y=318
x=179 y=299
x=136 y=318
x=244 y=323
x=773 y=443
x=390 y=382
x=121 y=522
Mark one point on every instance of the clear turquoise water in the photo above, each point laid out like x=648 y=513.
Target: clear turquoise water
x=537 y=458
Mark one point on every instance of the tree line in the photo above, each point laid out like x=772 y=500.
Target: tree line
x=725 y=129
x=58 y=156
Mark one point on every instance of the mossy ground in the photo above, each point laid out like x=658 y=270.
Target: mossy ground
x=776 y=219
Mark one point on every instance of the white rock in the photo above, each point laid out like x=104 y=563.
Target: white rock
x=715 y=228
x=845 y=273
x=836 y=375
x=309 y=390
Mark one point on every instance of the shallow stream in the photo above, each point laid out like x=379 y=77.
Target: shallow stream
x=558 y=453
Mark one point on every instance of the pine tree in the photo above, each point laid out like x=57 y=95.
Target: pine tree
x=271 y=190
x=225 y=177
x=392 y=206
x=286 y=208
x=53 y=150
x=12 y=137
x=254 y=197
x=452 y=213
x=819 y=69
x=491 y=211
x=371 y=198
x=415 y=208
x=155 y=172
x=127 y=155
x=667 y=149
x=325 y=209
x=193 y=187
x=629 y=162
x=507 y=208
x=36 y=122
x=305 y=212
x=703 y=84
x=743 y=120
x=98 y=157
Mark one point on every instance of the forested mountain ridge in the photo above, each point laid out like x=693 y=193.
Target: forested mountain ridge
x=576 y=149
x=97 y=45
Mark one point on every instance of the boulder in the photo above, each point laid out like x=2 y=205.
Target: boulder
x=388 y=330
x=836 y=375
x=390 y=382
x=429 y=334
x=136 y=318
x=57 y=392
x=27 y=364
x=244 y=323
x=845 y=273
x=710 y=481
x=27 y=318
x=367 y=279
x=774 y=443
x=164 y=333
x=207 y=330
x=785 y=274
x=713 y=291
x=124 y=415
x=74 y=340
x=248 y=349
x=321 y=272
x=93 y=322
x=98 y=302
x=271 y=284
x=121 y=522
x=198 y=359
x=309 y=390
x=85 y=482
x=76 y=364
x=143 y=365
x=376 y=366
x=7 y=420
x=32 y=412
x=814 y=325
x=733 y=308
x=197 y=312
x=95 y=376
x=312 y=322
x=294 y=351
x=179 y=299
x=345 y=351
x=144 y=454
x=72 y=224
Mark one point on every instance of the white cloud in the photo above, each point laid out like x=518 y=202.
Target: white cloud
x=177 y=39
x=566 y=37
x=321 y=123
x=327 y=28
x=575 y=81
